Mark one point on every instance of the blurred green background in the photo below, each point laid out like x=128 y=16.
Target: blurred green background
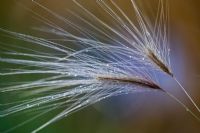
x=135 y=113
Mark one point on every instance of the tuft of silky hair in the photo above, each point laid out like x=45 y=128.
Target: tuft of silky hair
x=97 y=63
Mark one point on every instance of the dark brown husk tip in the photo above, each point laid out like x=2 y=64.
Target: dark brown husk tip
x=134 y=80
x=158 y=62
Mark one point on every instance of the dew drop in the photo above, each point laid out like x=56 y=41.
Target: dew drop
x=98 y=100
x=148 y=34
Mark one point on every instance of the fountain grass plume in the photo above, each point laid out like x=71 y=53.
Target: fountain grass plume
x=95 y=68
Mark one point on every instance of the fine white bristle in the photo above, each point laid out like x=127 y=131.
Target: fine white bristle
x=102 y=62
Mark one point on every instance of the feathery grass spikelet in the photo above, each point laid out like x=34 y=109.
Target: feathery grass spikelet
x=95 y=68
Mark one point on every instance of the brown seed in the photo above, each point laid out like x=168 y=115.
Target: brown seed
x=158 y=62
x=135 y=81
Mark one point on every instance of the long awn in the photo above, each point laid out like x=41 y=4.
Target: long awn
x=99 y=69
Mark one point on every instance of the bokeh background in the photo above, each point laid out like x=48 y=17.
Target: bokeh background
x=134 y=113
